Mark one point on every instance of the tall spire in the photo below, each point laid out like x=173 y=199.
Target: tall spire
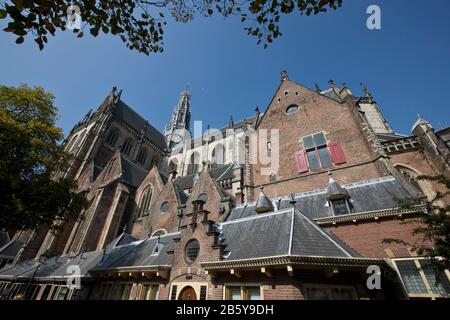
x=180 y=120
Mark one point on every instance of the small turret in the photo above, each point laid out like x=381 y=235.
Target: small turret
x=263 y=204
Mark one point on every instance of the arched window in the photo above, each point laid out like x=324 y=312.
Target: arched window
x=112 y=138
x=71 y=143
x=142 y=156
x=218 y=156
x=292 y=109
x=410 y=175
x=144 y=203
x=127 y=146
x=193 y=163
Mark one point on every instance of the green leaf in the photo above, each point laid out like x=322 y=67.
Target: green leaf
x=20 y=40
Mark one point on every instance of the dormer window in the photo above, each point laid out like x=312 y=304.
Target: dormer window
x=340 y=206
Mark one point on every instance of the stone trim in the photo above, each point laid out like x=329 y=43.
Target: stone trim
x=371 y=215
x=291 y=260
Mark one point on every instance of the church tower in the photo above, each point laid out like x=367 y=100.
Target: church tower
x=373 y=113
x=177 y=130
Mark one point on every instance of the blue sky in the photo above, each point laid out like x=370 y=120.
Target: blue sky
x=405 y=64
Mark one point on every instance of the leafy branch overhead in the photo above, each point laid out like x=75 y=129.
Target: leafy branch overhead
x=140 y=23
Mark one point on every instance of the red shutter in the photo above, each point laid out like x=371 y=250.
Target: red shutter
x=302 y=164
x=337 y=154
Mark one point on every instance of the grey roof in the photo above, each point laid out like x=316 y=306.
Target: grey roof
x=134 y=120
x=132 y=173
x=182 y=196
x=370 y=195
x=141 y=254
x=16 y=270
x=4 y=238
x=122 y=239
x=10 y=250
x=330 y=93
x=285 y=232
x=221 y=173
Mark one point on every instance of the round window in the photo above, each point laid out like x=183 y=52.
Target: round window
x=292 y=109
x=164 y=207
x=192 y=250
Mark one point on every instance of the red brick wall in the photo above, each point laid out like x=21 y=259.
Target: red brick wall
x=340 y=122
x=367 y=237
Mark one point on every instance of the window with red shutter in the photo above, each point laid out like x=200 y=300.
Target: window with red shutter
x=302 y=164
x=337 y=154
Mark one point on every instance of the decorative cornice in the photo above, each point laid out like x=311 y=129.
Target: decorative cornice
x=291 y=260
x=372 y=215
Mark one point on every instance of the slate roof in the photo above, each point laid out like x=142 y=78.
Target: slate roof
x=121 y=240
x=134 y=120
x=330 y=93
x=10 y=250
x=132 y=173
x=285 y=232
x=369 y=195
x=4 y=238
x=221 y=173
x=141 y=254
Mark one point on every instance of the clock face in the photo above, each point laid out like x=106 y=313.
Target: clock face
x=176 y=138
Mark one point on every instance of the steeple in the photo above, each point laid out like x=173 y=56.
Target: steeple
x=180 y=120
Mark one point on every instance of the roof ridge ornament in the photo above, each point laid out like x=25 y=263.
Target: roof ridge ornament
x=284 y=75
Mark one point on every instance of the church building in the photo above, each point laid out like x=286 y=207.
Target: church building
x=177 y=216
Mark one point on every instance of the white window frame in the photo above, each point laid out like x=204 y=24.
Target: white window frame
x=243 y=285
x=431 y=295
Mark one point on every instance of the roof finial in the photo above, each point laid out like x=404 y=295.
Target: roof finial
x=318 y=88
x=366 y=92
x=284 y=75
x=231 y=122
x=331 y=83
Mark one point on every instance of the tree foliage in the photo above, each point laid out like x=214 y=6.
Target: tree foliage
x=30 y=154
x=434 y=227
x=140 y=23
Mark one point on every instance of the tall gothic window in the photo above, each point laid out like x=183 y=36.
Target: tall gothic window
x=112 y=138
x=127 y=146
x=144 y=203
x=70 y=144
x=410 y=176
x=193 y=163
x=218 y=156
x=142 y=156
